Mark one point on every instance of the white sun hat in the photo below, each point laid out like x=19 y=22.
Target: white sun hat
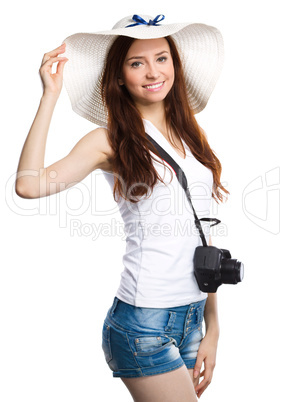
x=200 y=47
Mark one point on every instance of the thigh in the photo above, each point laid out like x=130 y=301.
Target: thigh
x=173 y=386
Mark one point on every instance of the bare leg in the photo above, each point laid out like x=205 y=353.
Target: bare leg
x=173 y=386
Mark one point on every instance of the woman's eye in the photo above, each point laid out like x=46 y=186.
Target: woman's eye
x=136 y=64
x=162 y=59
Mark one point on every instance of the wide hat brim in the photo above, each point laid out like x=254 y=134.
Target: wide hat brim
x=200 y=47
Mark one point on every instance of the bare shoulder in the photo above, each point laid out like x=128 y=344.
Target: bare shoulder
x=98 y=142
x=100 y=137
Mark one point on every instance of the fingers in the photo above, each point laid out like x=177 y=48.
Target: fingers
x=53 y=53
x=46 y=68
x=52 y=83
x=196 y=381
x=52 y=60
x=198 y=365
x=61 y=65
x=208 y=375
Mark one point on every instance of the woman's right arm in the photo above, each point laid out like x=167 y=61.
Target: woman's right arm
x=91 y=152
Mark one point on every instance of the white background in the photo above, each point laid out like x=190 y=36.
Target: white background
x=56 y=284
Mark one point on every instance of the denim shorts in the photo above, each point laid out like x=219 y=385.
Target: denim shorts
x=139 y=341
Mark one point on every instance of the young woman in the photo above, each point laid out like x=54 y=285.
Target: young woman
x=143 y=77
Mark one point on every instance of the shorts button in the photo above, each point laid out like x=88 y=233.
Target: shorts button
x=137 y=341
x=158 y=338
x=108 y=327
x=135 y=353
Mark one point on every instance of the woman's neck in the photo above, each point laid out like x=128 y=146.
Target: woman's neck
x=156 y=115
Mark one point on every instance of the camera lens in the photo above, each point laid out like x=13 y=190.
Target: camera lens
x=241 y=271
x=232 y=271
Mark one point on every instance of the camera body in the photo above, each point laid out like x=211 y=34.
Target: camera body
x=214 y=266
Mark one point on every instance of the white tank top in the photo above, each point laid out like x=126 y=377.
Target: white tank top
x=161 y=235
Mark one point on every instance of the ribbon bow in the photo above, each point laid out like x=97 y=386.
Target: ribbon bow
x=140 y=21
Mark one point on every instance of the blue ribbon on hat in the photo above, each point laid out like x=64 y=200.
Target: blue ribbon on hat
x=140 y=21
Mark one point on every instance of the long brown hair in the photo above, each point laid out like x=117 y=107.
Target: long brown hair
x=132 y=163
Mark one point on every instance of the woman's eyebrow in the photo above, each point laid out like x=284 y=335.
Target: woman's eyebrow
x=142 y=57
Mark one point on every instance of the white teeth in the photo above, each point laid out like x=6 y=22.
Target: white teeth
x=153 y=86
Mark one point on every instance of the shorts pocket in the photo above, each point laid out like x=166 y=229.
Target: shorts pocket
x=106 y=342
x=149 y=345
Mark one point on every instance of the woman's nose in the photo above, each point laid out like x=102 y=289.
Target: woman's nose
x=152 y=72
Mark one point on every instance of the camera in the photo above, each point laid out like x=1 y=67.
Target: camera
x=214 y=266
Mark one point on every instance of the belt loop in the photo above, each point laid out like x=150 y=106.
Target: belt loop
x=171 y=321
x=113 y=308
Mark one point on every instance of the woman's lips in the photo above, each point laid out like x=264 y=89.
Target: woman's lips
x=154 y=87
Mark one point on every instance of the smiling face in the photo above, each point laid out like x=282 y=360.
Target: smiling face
x=148 y=72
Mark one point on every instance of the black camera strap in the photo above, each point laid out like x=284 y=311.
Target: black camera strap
x=183 y=181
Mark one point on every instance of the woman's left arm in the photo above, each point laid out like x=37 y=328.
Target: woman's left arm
x=208 y=346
